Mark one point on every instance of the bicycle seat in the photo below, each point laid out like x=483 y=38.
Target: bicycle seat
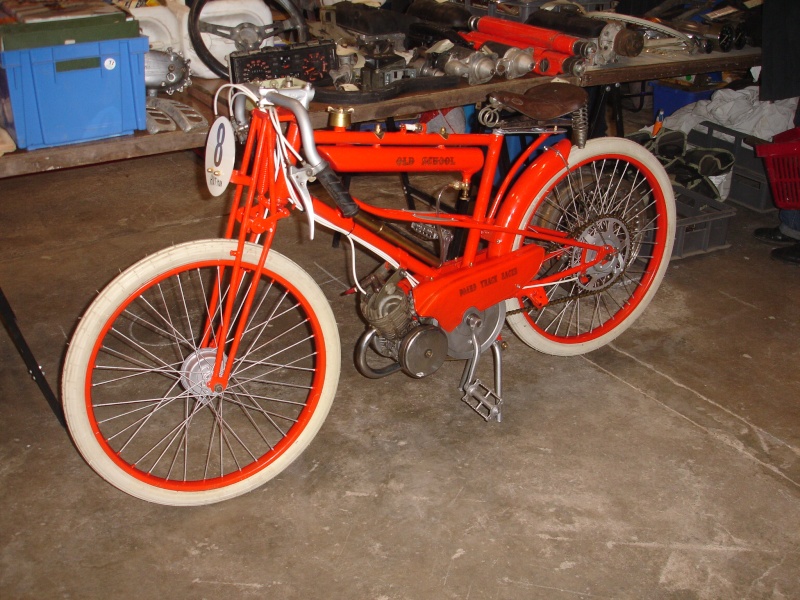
x=544 y=102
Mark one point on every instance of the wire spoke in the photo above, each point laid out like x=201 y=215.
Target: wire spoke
x=607 y=201
x=150 y=402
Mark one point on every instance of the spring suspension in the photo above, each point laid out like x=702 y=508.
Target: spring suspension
x=580 y=126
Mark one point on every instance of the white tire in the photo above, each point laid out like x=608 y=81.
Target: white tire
x=134 y=398
x=614 y=191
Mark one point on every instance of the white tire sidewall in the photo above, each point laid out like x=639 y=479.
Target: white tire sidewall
x=597 y=148
x=118 y=291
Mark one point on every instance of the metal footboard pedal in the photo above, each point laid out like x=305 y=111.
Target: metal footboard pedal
x=483 y=401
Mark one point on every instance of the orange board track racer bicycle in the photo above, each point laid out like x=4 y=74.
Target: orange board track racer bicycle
x=205 y=369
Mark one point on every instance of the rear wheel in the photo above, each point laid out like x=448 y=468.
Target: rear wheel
x=135 y=394
x=614 y=193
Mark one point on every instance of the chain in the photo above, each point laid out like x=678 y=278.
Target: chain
x=563 y=300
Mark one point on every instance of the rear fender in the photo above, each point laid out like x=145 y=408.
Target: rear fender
x=529 y=185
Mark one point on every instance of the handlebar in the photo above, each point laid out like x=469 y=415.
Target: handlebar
x=320 y=168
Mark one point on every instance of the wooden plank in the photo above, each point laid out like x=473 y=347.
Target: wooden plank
x=141 y=143
x=23 y=162
x=200 y=96
x=644 y=67
x=653 y=66
x=412 y=104
x=407 y=104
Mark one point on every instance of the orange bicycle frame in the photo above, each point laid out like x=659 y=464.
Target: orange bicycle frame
x=486 y=272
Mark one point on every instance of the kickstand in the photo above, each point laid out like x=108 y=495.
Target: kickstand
x=479 y=397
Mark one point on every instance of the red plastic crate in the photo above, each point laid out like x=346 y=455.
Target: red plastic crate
x=782 y=160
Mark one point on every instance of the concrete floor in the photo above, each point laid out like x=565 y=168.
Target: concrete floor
x=664 y=466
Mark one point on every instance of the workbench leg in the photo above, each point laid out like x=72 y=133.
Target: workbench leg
x=10 y=323
x=616 y=108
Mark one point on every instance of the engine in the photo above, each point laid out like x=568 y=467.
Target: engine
x=395 y=332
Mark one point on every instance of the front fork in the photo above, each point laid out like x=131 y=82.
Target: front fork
x=253 y=218
x=217 y=336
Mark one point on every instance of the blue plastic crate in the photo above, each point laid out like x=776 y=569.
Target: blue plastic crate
x=670 y=98
x=74 y=93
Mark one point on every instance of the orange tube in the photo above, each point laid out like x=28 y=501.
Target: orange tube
x=531 y=35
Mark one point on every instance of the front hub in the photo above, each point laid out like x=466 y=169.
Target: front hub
x=196 y=372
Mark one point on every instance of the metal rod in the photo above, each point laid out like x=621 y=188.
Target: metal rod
x=14 y=332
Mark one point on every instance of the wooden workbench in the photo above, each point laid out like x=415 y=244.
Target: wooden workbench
x=199 y=95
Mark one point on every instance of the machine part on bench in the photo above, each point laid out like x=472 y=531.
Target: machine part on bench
x=689 y=44
x=166 y=72
x=423 y=66
x=184 y=116
x=348 y=70
x=245 y=36
x=612 y=37
x=606 y=53
x=476 y=67
x=157 y=121
x=627 y=42
x=356 y=16
x=380 y=72
x=515 y=63
x=550 y=63
x=572 y=22
x=723 y=36
x=451 y=14
x=616 y=40
x=349 y=40
x=310 y=61
x=427 y=34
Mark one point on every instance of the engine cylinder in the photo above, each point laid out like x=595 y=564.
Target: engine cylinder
x=388 y=311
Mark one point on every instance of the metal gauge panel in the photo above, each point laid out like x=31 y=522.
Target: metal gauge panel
x=310 y=62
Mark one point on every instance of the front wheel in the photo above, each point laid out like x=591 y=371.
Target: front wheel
x=612 y=192
x=134 y=388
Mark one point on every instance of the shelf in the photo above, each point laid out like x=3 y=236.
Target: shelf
x=200 y=96
x=141 y=143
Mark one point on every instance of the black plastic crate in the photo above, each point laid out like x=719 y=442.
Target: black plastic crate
x=702 y=224
x=749 y=183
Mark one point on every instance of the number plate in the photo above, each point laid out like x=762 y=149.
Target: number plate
x=220 y=156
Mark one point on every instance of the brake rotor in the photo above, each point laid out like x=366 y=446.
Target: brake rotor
x=603 y=231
